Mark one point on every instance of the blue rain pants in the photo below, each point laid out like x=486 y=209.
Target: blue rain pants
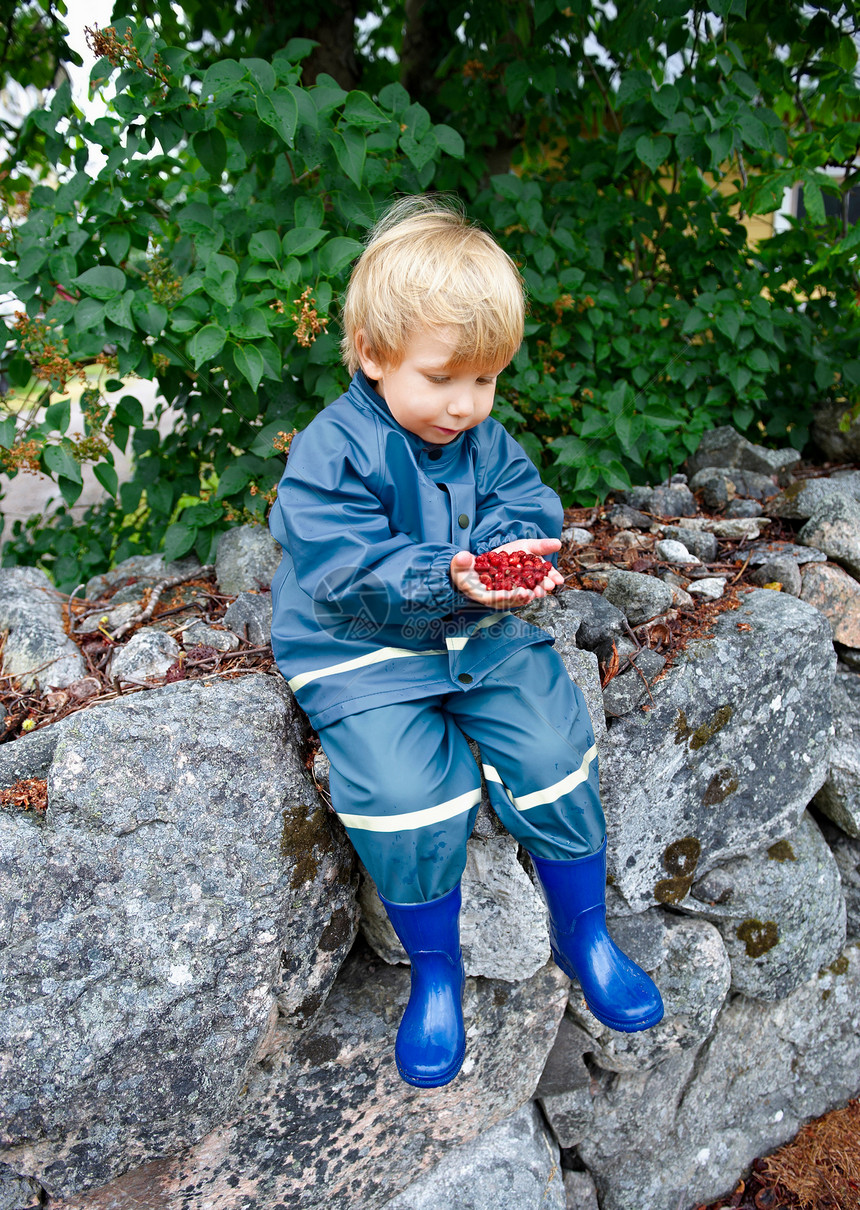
x=406 y=786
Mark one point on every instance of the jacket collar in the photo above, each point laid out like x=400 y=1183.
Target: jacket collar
x=362 y=393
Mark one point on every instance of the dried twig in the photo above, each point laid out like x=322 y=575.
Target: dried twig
x=155 y=595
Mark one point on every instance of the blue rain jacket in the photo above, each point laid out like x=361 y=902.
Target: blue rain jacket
x=369 y=517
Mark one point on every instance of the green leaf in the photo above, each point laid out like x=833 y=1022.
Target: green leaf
x=635 y=84
x=728 y=322
x=118 y=310
x=151 y=317
x=350 y=148
x=279 y=110
x=338 y=253
x=107 y=477
x=102 y=282
x=178 y=540
x=8 y=430
x=265 y=246
x=813 y=200
x=262 y=73
x=117 y=243
x=739 y=377
x=568 y=450
x=419 y=154
x=70 y=489
x=666 y=100
x=206 y=344
x=359 y=110
x=234 y=479
x=301 y=240
x=129 y=411
x=222 y=77
x=720 y=143
x=89 y=314
x=58 y=459
x=297 y=49
x=249 y=363
x=57 y=416
x=517 y=81
x=653 y=150
x=450 y=141
x=210 y=147
x=394 y=98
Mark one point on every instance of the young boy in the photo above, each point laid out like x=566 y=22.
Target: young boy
x=397 y=651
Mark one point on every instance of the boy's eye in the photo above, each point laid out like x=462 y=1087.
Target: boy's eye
x=438 y=380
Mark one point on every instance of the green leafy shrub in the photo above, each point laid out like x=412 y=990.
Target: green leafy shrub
x=614 y=152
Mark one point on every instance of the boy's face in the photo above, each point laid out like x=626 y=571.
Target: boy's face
x=425 y=394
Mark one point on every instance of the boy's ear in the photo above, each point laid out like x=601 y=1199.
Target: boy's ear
x=368 y=360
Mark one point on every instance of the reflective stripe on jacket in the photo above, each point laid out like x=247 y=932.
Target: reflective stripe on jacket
x=369 y=517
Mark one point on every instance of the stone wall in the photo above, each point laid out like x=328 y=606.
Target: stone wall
x=191 y=1019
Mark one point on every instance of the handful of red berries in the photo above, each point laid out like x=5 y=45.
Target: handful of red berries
x=502 y=570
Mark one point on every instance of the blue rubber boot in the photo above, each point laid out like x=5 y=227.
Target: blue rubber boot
x=431 y=1041
x=617 y=991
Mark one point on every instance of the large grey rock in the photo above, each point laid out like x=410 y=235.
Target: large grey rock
x=515 y=1163
x=246 y=560
x=673 y=499
x=327 y=1123
x=631 y=687
x=19 y=1192
x=144 y=570
x=693 y=980
x=782 y=569
x=846 y=850
x=725 y=447
x=763 y=552
x=37 y=650
x=600 y=621
x=836 y=595
x=146 y=656
x=250 y=616
x=801 y=499
x=639 y=597
x=582 y=666
x=837 y=444
x=733 y=749
x=733 y=529
x=674 y=552
x=199 y=635
x=743 y=508
x=28 y=755
x=781 y=912
x=839 y=797
x=682 y=1132
x=580 y=1190
x=834 y=527
x=699 y=542
x=711 y=588
x=185 y=884
x=503 y=924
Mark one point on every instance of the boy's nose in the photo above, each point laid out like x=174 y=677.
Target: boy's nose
x=461 y=406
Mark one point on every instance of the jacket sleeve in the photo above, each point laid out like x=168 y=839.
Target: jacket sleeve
x=512 y=500
x=344 y=551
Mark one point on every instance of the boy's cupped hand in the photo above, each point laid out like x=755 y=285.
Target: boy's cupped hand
x=465 y=578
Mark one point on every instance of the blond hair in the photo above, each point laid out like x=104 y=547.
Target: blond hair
x=427 y=266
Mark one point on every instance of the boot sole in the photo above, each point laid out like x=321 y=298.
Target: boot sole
x=437 y=1081
x=622 y=1027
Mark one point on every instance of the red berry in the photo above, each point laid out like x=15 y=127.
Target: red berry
x=485 y=579
x=497 y=558
x=482 y=563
